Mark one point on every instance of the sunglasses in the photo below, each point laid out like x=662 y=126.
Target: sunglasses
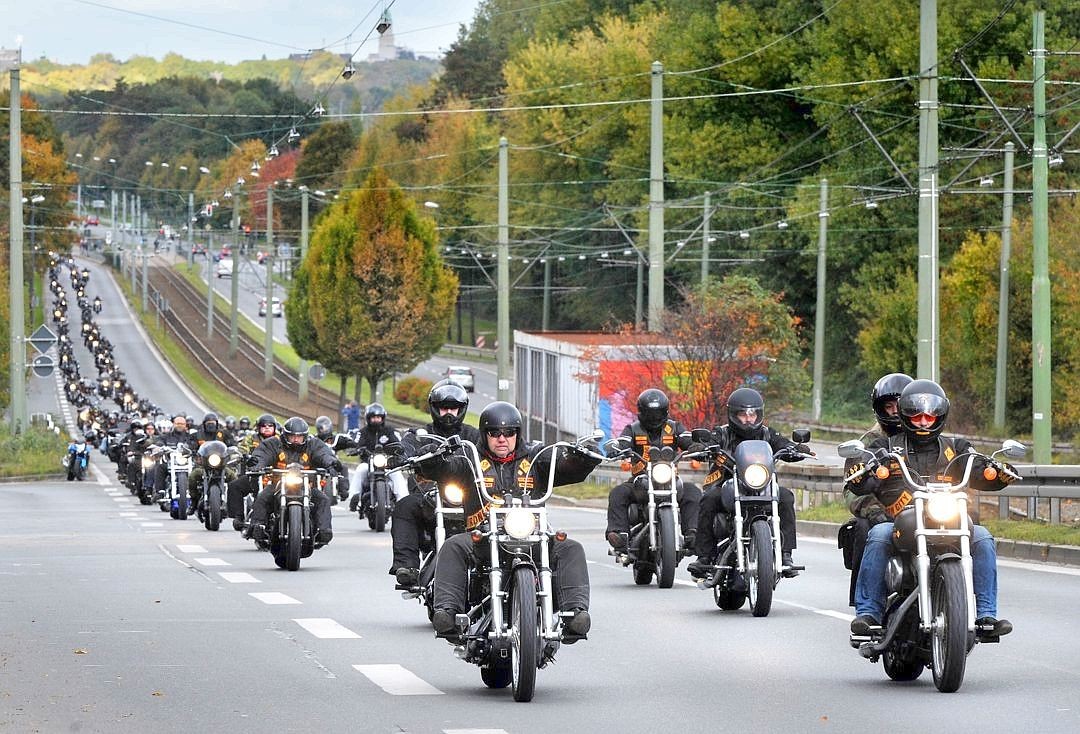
x=503 y=432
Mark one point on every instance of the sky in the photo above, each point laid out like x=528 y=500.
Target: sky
x=71 y=31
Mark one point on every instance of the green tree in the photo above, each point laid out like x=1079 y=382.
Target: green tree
x=379 y=295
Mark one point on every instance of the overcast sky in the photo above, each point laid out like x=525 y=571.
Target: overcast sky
x=71 y=31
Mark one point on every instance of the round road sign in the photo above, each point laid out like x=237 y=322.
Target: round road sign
x=42 y=365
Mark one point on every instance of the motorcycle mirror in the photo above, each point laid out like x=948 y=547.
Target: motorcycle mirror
x=685 y=435
x=1013 y=449
x=421 y=432
x=800 y=435
x=851 y=449
x=667 y=453
x=596 y=435
x=701 y=435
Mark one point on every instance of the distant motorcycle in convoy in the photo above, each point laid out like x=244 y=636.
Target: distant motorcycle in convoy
x=78 y=460
x=215 y=458
x=512 y=629
x=290 y=525
x=655 y=543
x=929 y=619
x=178 y=462
x=748 y=553
x=376 y=496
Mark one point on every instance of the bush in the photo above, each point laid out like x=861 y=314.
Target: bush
x=34 y=452
x=403 y=388
x=418 y=393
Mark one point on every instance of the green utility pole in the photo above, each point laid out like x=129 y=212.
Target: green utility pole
x=145 y=285
x=190 y=229
x=502 y=355
x=209 y=300
x=656 y=198
x=1040 y=260
x=705 y=240
x=1003 y=292
x=302 y=390
x=927 y=365
x=268 y=368
x=546 y=319
x=819 y=316
x=234 y=286
x=15 y=299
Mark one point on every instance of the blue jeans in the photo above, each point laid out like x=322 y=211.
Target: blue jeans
x=870 y=591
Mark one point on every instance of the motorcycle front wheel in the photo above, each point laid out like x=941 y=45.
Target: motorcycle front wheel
x=948 y=631
x=524 y=633
x=378 y=496
x=182 y=498
x=212 y=515
x=760 y=569
x=666 y=554
x=294 y=532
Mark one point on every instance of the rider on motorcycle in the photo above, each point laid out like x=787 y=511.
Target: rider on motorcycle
x=924 y=409
x=176 y=436
x=324 y=431
x=746 y=421
x=209 y=430
x=415 y=514
x=652 y=428
x=265 y=428
x=295 y=446
x=507 y=463
x=375 y=433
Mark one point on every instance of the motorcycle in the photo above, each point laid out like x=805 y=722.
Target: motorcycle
x=78 y=460
x=655 y=542
x=512 y=629
x=148 y=465
x=178 y=459
x=290 y=526
x=748 y=553
x=215 y=458
x=929 y=619
x=376 y=497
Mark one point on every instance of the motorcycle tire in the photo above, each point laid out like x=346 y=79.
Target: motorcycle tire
x=642 y=574
x=761 y=569
x=380 y=509
x=182 y=499
x=212 y=513
x=525 y=638
x=667 y=557
x=294 y=536
x=728 y=599
x=496 y=676
x=949 y=634
x=900 y=669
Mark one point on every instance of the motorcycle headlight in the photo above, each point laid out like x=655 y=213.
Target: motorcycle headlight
x=661 y=473
x=147 y=462
x=453 y=494
x=214 y=460
x=756 y=476
x=379 y=461
x=293 y=482
x=519 y=523
x=943 y=508
x=179 y=461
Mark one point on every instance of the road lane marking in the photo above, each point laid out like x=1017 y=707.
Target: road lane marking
x=475 y=731
x=129 y=514
x=212 y=562
x=1045 y=568
x=238 y=577
x=191 y=549
x=151 y=524
x=273 y=597
x=397 y=681
x=327 y=629
x=119 y=499
x=845 y=616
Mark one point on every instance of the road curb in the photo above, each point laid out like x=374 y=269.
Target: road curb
x=32 y=478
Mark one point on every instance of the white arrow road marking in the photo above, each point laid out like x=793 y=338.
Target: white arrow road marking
x=397 y=681
x=327 y=629
x=273 y=597
x=238 y=577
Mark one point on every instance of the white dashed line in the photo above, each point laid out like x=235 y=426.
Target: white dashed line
x=327 y=629
x=191 y=549
x=212 y=562
x=151 y=524
x=273 y=597
x=474 y=731
x=129 y=514
x=239 y=577
x=120 y=499
x=397 y=681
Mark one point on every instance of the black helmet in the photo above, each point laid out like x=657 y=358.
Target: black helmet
x=375 y=410
x=295 y=432
x=745 y=399
x=652 y=408
x=923 y=397
x=324 y=427
x=500 y=415
x=230 y=422
x=266 y=420
x=446 y=394
x=244 y=423
x=208 y=419
x=888 y=388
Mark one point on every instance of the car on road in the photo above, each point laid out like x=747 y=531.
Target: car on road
x=275 y=307
x=93 y=220
x=224 y=267
x=198 y=249
x=461 y=376
x=224 y=252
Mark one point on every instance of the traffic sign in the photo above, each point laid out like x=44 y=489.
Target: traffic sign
x=42 y=339
x=480 y=341
x=42 y=365
x=316 y=372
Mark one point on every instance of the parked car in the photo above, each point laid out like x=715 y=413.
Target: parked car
x=224 y=267
x=461 y=376
x=275 y=307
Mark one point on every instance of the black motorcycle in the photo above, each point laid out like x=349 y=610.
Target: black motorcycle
x=215 y=458
x=290 y=525
x=929 y=619
x=376 y=496
x=748 y=553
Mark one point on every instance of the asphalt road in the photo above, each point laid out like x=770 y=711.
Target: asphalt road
x=115 y=618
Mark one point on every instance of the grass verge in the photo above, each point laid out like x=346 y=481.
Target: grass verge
x=40 y=452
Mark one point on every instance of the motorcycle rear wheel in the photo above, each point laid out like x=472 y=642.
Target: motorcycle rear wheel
x=948 y=634
x=900 y=669
x=294 y=532
x=727 y=599
x=667 y=553
x=760 y=571
x=524 y=634
x=212 y=515
x=496 y=676
x=642 y=574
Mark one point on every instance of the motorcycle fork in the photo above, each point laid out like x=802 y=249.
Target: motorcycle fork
x=740 y=551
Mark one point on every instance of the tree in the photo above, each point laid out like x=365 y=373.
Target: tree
x=379 y=295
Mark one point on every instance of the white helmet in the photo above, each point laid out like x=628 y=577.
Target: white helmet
x=163 y=425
